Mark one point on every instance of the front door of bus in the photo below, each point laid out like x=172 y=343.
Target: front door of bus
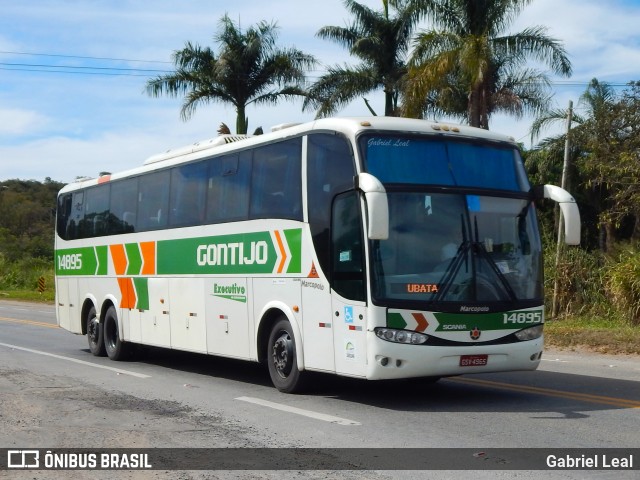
x=348 y=285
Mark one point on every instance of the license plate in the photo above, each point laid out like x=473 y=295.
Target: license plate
x=473 y=360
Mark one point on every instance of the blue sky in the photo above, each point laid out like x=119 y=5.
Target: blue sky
x=62 y=122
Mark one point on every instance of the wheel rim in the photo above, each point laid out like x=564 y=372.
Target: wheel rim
x=282 y=354
x=94 y=332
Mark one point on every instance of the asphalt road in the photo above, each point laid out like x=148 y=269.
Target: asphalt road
x=55 y=394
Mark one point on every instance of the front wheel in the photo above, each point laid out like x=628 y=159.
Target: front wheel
x=95 y=333
x=281 y=358
x=115 y=347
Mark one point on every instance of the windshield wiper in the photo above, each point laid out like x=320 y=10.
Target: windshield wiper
x=454 y=266
x=479 y=252
x=482 y=251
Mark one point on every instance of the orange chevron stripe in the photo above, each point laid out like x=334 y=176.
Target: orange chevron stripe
x=283 y=252
x=422 y=322
x=128 y=293
x=119 y=258
x=148 y=250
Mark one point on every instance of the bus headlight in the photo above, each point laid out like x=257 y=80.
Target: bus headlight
x=401 y=336
x=530 y=333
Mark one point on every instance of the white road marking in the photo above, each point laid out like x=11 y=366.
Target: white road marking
x=81 y=362
x=299 y=411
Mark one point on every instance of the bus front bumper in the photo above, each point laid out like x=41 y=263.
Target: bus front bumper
x=388 y=360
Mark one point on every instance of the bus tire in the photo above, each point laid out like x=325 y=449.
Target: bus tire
x=115 y=347
x=281 y=358
x=95 y=334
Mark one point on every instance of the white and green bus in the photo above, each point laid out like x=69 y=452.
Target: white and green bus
x=375 y=248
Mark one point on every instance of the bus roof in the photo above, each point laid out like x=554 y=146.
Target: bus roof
x=349 y=126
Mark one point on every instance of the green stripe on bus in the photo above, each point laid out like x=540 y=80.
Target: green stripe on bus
x=102 y=254
x=395 y=320
x=245 y=253
x=141 y=285
x=134 y=258
x=294 y=239
x=77 y=261
x=488 y=321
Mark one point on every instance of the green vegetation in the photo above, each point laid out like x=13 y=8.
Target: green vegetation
x=612 y=336
x=27 y=213
x=598 y=283
x=23 y=274
x=599 y=299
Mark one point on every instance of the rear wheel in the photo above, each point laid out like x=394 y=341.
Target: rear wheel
x=95 y=333
x=115 y=347
x=281 y=358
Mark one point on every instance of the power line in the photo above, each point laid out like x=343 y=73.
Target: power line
x=83 y=57
x=105 y=74
x=139 y=72
x=82 y=67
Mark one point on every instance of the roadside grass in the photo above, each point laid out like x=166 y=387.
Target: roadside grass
x=48 y=296
x=613 y=336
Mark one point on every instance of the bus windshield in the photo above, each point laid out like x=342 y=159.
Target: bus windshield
x=447 y=246
x=435 y=161
x=458 y=248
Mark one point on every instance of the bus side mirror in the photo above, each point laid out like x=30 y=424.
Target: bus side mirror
x=377 y=206
x=569 y=209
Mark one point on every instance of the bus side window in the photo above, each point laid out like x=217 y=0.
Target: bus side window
x=330 y=170
x=124 y=194
x=276 y=182
x=228 y=187
x=63 y=215
x=188 y=189
x=153 y=201
x=96 y=212
x=347 y=247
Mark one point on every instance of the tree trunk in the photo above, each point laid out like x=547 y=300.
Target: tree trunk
x=389 y=110
x=478 y=108
x=474 y=107
x=242 y=122
x=606 y=236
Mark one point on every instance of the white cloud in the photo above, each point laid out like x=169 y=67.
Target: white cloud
x=64 y=159
x=590 y=31
x=16 y=122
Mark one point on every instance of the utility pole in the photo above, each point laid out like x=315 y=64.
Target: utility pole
x=564 y=181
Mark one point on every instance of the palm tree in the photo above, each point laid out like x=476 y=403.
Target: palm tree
x=381 y=41
x=467 y=67
x=595 y=135
x=597 y=102
x=248 y=69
